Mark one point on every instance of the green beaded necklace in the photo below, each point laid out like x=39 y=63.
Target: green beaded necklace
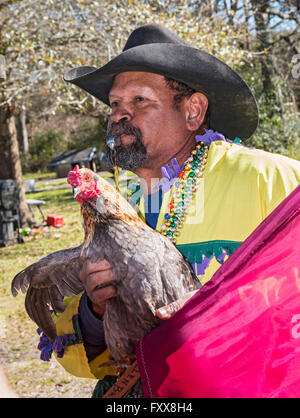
x=186 y=186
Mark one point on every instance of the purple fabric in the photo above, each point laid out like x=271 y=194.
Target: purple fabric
x=211 y=136
x=58 y=345
x=169 y=175
x=222 y=256
x=201 y=267
x=44 y=346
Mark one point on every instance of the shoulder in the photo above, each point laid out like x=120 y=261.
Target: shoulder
x=246 y=160
x=249 y=178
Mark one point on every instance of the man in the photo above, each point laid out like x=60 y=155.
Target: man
x=172 y=105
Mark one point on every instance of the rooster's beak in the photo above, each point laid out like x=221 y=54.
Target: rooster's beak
x=76 y=190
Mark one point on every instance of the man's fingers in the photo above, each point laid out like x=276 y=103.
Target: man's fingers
x=99 y=282
x=88 y=267
x=166 y=312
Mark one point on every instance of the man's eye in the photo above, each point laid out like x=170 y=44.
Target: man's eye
x=140 y=99
x=114 y=104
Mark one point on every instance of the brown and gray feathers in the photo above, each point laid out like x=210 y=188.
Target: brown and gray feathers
x=46 y=282
x=149 y=272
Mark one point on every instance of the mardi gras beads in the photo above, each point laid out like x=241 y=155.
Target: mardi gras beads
x=185 y=188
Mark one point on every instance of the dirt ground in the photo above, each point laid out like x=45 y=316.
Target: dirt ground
x=29 y=376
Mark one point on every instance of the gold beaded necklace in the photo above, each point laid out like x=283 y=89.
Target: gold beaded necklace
x=186 y=186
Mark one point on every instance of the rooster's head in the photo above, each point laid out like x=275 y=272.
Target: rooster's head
x=85 y=184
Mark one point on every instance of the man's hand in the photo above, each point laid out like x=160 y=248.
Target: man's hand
x=165 y=312
x=96 y=278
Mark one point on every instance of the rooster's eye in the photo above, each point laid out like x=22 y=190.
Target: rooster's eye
x=87 y=177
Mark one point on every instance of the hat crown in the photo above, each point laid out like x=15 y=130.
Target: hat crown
x=152 y=34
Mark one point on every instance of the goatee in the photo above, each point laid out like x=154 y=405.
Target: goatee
x=128 y=157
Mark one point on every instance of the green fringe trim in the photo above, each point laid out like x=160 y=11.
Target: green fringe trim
x=103 y=385
x=77 y=330
x=195 y=251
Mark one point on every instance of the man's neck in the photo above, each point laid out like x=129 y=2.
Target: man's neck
x=151 y=174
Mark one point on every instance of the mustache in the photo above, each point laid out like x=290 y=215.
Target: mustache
x=117 y=129
x=127 y=157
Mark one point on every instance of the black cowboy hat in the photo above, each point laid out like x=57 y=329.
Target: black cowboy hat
x=155 y=49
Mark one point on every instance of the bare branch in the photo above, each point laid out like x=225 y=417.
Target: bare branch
x=286 y=16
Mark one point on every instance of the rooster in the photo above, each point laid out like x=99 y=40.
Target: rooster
x=149 y=272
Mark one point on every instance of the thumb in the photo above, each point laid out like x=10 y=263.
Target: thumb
x=166 y=312
x=169 y=310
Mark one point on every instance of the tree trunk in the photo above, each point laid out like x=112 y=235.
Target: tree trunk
x=2 y=68
x=23 y=131
x=267 y=63
x=5 y=163
x=246 y=13
x=10 y=164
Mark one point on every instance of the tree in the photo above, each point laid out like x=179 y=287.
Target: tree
x=51 y=36
x=262 y=21
x=272 y=35
x=271 y=45
x=41 y=40
x=10 y=166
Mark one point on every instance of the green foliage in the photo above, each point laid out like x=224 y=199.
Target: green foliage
x=275 y=136
x=42 y=148
x=279 y=128
x=89 y=135
x=45 y=145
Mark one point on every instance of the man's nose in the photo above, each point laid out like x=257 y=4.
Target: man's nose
x=122 y=113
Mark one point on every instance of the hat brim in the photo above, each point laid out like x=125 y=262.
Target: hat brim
x=233 y=108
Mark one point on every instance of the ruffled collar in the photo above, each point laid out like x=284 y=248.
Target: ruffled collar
x=170 y=174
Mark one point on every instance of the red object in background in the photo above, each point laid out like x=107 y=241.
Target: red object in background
x=55 y=220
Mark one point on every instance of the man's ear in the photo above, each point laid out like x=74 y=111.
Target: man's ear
x=195 y=110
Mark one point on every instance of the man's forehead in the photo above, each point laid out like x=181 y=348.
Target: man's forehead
x=136 y=80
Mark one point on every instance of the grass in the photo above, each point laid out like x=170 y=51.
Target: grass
x=27 y=374
x=40 y=176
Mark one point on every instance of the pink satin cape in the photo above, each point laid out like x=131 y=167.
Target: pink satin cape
x=239 y=336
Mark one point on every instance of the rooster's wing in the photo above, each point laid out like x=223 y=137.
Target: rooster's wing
x=46 y=283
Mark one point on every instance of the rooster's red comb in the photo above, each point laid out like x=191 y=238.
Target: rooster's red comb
x=74 y=177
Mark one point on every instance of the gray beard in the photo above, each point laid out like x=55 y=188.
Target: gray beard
x=130 y=157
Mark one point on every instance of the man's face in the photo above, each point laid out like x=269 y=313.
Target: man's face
x=149 y=130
